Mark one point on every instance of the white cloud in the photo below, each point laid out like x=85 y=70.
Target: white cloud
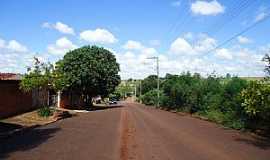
x=134 y=62
x=2 y=43
x=237 y=61
x=223 y=54
x=205 y=44
x=129 y=55
x=61 y=27
x=13 y=45
x=207 y=8
x=243 y=40
x=182 y=47
x=16 y=46
x=133 y=45
x=61 y=46
x=176 y=3
x=14 y=56
x=99 y=35
x=261 y=16
x=149 y=51
x=139 y=48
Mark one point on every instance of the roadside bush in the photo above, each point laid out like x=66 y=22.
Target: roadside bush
x=227 y=119
x=215 y=116
x=233 y=102
x=256 y=101
x=149 y=83
x=45 y=112
x=150 y=98
x=214 y=97
x=181 y=92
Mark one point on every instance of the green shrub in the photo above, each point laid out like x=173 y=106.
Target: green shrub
x=231 y=101
x=45 y=112
x=256 y=100
x=150 y=98
x=236 y=124
x=215 y=116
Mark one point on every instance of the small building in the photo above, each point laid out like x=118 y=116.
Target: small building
x=14 y=101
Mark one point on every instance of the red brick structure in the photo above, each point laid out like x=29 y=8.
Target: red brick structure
x=71 y=100
x=13 y=100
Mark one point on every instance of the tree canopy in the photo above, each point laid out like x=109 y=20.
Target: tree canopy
x=39 y=76
x=90 y=70
x=149 y=83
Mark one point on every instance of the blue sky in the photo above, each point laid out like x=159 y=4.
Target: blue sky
x=180 y=32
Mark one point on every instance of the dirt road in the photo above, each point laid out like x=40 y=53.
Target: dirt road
x=134 y=132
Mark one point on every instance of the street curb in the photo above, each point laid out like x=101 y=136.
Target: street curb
x=20 y=130
x=16 y=131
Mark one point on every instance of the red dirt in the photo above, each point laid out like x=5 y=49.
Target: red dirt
x=163 y=135
x=134 y=132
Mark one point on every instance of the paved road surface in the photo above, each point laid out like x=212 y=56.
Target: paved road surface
x=133 y=132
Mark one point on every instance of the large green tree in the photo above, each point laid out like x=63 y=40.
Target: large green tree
x=89 y=70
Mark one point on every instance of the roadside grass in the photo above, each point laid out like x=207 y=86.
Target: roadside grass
x=45 y=111
x=227 y=120
x=215 y=116
x=29 y=119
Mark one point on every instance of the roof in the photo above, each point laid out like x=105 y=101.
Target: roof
x=10 y=76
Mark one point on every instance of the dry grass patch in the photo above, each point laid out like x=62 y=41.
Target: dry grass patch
x=29 y=119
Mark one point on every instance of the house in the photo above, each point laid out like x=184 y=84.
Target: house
x=14 y=101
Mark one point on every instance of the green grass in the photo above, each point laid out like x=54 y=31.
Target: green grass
x=252 y=78
x=45 y=112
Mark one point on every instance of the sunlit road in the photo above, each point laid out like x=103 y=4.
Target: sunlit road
x=133 y=132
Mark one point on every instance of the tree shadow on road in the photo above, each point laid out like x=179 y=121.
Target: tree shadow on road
x=258 y=141
x=25 y=140
x=6 y=127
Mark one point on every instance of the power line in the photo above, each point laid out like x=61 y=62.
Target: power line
x=227 y=18
x=216 y=27
x=182 y=20
x=239 y=34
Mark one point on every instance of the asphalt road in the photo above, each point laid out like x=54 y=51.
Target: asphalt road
x=133 y=132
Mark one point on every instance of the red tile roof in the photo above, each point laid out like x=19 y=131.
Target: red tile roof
x=10 y=76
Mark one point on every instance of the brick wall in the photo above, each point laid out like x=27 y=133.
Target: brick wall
x=12 y=100
x=71 y=100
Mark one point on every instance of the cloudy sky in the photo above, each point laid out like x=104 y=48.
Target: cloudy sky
x=183 y=33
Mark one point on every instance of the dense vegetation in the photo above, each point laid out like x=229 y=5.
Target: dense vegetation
x=231 y=101
x=89 y=71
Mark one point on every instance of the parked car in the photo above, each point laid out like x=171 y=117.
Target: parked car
x=112 y=101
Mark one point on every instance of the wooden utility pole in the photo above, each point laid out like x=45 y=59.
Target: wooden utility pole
x=157 y=68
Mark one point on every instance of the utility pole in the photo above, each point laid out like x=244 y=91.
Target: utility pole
x=140 y=91
x=157 y=68
x=135 y=91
